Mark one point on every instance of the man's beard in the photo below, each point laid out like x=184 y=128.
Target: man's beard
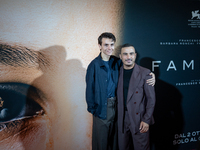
x=130 y=64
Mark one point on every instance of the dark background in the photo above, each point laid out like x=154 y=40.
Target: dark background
x=147 y=23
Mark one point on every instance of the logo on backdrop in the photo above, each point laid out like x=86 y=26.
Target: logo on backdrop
x=194 y=22
x=195 y=14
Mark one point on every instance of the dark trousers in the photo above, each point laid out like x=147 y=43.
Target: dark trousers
x=130 y=140
x=104 y=133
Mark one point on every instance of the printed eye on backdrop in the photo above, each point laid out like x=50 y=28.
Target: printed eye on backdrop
x=18 y=103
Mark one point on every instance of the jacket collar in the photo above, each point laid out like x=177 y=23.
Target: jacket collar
x=135 y=78
x=101 y=63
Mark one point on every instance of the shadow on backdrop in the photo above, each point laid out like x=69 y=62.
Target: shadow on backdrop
x=58 y=97
x=167 y=114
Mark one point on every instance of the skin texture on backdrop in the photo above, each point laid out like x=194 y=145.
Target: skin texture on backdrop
x=45 y=48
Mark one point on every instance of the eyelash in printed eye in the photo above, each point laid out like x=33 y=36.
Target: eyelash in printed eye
x=2 y=126
x=17 y=102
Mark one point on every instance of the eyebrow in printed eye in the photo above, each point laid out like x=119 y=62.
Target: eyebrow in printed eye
x=17 y=102
x=21 y=56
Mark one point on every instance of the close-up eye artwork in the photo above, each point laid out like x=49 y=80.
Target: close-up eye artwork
x=18 y=101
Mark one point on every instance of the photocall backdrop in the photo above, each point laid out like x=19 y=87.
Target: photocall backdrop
x=166 y=35
x=46 y=46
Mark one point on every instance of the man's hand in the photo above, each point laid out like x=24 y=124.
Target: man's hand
x=144 y=127
x=152 y=81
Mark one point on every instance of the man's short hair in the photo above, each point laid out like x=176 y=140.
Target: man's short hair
x=126 y=45
x=106 y=35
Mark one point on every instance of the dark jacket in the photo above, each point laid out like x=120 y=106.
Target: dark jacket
x=96 y=84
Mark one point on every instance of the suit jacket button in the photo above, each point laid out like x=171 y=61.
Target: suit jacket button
x=134 y=102
x=136 y=113
x=136 y=91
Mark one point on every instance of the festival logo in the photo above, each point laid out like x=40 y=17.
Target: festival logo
x=194 y=22
x=195 y=14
